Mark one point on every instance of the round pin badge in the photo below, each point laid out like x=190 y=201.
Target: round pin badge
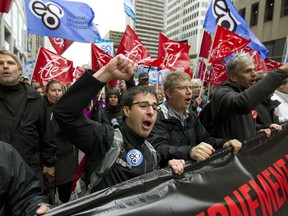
x=134 y=157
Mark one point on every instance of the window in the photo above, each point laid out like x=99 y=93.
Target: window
x=284 y=8
x=242 y=12
x=254 y=14
x=269 y=7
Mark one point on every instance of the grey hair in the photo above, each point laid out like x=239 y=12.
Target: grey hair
x=194 y=82
x=169 y=82
x=233 y=64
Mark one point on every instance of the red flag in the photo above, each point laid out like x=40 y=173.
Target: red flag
x=99 y=58
x=78 y=72
x=201 y=72
x=225 y=43
x=271 y=64
x=173 y=55
x=218 y=73
x=205 y=45
x=60 y=45
x=259 y=64
x=132 y=47
x=5 y=6
x=51 y=66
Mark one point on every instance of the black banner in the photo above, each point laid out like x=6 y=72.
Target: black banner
x=253 y=182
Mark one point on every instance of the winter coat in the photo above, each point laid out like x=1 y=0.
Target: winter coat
x=233 y=105
x=172 y=140
x=20 y=191
x=94 y=138
x=66 y=155
x=29 y=132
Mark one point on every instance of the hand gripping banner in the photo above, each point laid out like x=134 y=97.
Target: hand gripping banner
x=253 y=182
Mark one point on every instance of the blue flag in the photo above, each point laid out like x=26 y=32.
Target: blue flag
x=129 y=8
x=223 y=13
x=61 y=19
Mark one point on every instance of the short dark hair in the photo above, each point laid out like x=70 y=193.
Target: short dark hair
x=129 y=95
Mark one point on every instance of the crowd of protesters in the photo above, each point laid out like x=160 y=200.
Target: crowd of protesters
x=48 y=126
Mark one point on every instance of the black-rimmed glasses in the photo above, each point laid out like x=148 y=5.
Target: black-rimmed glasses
x=145 y=105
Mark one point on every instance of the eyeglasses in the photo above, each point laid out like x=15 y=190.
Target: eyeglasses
x=189 y=87
x=145 y=105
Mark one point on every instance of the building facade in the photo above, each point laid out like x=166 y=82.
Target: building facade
x=268 y=21
x=149 y=22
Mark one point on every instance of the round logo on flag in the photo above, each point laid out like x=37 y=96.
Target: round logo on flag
x=134 y=157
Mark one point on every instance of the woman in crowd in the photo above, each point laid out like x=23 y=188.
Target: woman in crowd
x=66 y=155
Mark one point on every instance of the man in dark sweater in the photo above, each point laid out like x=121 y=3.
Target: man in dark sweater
x=235 y=100
x=24 y=122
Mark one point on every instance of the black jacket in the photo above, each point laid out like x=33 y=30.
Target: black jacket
x=29 y=132
x=66 y=162
x=233 y=105
x=20 y=191
x=94 y=138
x=172 y=140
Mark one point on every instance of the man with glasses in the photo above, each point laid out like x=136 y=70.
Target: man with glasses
x=178 y=132
x=137 y=156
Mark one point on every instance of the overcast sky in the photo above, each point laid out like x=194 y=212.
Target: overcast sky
x=109 y=15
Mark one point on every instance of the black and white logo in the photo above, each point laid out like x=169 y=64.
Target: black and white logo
x=50 y=13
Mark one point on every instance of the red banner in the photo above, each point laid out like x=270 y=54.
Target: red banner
x=225 y=43
x=205 y=45
x=218 y=73
x=50 y=66
x=78 y=72
x=60 y=45
x=173 y=55
x=99 y=58
x=252 y=182
x=5 y=6
x=271 y=64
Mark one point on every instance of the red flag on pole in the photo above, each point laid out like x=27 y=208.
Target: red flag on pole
x=99 y=58
x=5 y=6
x=218 y=73
x=173 y=55
x=259 y=64
x=271 y=64
x=225 y=43
x=205 y=45
x=60 y=45
x=78 y=72
x=132 y=47
x=51 y=66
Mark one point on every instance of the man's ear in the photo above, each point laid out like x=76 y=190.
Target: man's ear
x=126 y=111
x=233 y=78
x=168 y=94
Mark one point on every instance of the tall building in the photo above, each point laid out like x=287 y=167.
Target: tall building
x=184 y=22
x=149 y=22
x=268 y=21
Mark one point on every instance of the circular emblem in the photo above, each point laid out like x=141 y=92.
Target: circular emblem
x=134 y=157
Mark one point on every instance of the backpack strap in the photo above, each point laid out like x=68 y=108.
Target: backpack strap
x=107 y=162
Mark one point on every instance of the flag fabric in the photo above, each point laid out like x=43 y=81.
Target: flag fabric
x=218 y=73
x=132 y=47
x=258 y=62
x=5 y=6
x=271 y=64
x=50 y=66
x=99 y=58
x=60 y=45
x=129 y=8
x=78 y=72
x=225 y=43
x=223 y=13
x=205 y=45
x=69 y=20
x=106 y=45
x=173 y=55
